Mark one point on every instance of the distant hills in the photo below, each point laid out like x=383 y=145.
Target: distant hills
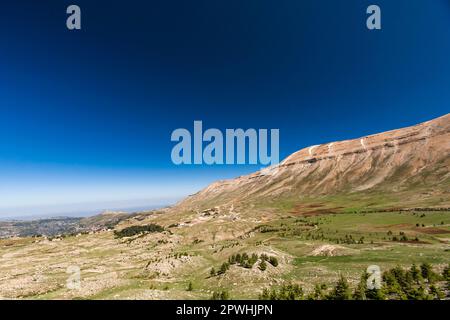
x=60 y=225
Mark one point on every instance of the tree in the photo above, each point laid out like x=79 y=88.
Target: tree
x=212 y=272
x=416 y=275
x=436 y=293
x=135 y=230
x=375 y=294
x=290 y=292
x=223 y=268
x=286 y=292
x=361 y=288
x=265 y=295
x=253 y=259
x=396 y=283
x=224 y=295
x=427 y=272
x=341 y=291
x=446 y=277
x=446 y=273
x=262 y=265
x=190 y=286
x=417 y=293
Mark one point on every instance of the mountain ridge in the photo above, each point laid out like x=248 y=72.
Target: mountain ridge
x=411 y=157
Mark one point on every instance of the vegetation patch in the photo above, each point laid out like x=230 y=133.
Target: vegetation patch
x=137 y=230
x=416 y=283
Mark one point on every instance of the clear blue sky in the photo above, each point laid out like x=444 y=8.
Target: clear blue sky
x=86 y=116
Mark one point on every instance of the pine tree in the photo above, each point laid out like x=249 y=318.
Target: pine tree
x=212 y=272
x=265 y=295
x=190 y=286
x=446 y=273
x=427 y=272
x=395 y=280
x=417 y=294
x=223 y=268
x=224 y=295
x=446 y=277
x=375 y=294
x=360 y=290
x=253 y=259
x=318 y=293
x=416 y=275
x=436 y=293
x=262 y=265
x=341 y=291
x=220 y=295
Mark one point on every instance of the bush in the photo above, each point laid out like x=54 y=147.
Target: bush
x=427 y=272
x=223 y=268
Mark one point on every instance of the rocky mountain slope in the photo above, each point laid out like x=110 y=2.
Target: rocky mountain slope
x=414 y=160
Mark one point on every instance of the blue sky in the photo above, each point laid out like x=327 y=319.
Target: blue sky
x=86 y=116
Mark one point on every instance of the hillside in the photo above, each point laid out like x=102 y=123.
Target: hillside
x=325 y=211
x=412 y=160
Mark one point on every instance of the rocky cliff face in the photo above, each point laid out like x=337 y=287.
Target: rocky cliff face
x=415 y=158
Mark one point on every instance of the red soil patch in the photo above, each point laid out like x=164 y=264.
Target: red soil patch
x=432 y=230
x=305 y=210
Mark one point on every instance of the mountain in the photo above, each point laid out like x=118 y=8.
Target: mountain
x=324 y=212
x=411 y=162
